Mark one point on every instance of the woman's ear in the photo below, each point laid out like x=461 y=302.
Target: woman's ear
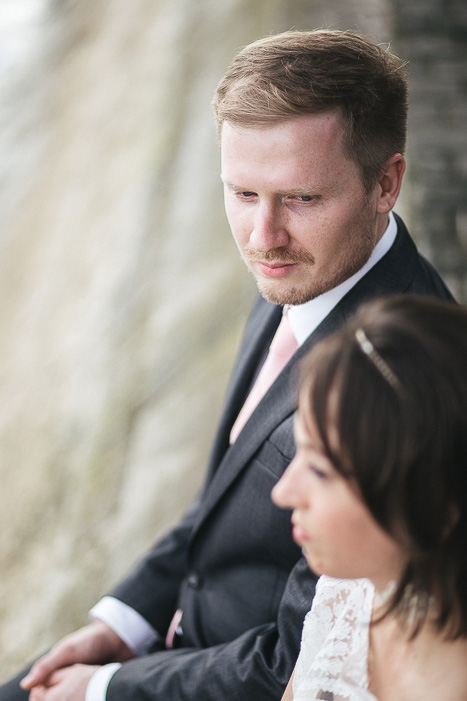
x=390 y=183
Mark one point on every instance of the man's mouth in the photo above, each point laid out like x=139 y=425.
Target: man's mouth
x=277 y=263
x=275 y=270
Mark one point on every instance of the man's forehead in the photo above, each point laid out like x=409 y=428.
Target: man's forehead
x=296 y=138
x=329 y=118
x=290 y=156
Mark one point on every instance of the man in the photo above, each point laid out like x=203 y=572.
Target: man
x=312 y=130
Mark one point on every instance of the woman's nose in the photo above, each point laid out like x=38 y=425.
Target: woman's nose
x=287 y=492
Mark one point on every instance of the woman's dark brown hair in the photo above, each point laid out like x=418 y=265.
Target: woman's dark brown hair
x=393 y=382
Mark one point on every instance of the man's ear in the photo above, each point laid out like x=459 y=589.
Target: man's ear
x=390 y=183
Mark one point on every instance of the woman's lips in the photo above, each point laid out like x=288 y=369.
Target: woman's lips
x=299 y=535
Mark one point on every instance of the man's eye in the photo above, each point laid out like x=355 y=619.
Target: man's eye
x=303 y=198
x=246 y=194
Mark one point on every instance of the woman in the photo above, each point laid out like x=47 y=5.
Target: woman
x=378 y=490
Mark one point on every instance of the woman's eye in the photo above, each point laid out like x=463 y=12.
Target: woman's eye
x=246 y=194
x=320 y=474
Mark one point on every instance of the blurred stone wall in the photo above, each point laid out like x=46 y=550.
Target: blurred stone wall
x=122 y=296
x=432 y=36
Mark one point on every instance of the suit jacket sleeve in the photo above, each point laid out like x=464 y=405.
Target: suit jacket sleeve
x=255 y=666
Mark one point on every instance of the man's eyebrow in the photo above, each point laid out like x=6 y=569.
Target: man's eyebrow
x=298 y=191
x=290 y=191
x=230 y=185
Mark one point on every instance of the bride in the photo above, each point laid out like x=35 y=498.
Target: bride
x=378 y=490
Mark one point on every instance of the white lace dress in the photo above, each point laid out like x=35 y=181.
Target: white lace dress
x=333 y=660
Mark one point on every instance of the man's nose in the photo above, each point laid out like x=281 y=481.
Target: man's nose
x=269 y=229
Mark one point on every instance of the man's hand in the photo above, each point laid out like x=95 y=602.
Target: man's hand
x=94 y=644
x=67 y=684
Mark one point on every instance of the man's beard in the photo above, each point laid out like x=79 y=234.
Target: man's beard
x=269 y=289
x=281 y=292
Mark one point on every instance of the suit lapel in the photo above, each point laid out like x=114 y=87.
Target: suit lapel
x=259 y=332
x=391 y=275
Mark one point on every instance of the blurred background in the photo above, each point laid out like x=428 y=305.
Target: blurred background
x=122 y=295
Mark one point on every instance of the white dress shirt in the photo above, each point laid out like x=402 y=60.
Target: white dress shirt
x=134 y=630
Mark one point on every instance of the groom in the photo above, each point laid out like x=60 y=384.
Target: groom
x=312 y=128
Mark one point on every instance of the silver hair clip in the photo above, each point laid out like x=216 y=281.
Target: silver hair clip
x=379 y=363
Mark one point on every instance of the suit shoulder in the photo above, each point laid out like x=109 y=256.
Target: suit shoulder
x=429 y=281
x=423 y=278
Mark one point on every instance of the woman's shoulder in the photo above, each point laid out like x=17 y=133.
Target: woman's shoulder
x=340 y=607
x=334 y=648
x=342 y=602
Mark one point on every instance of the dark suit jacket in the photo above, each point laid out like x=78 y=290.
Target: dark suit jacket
x=232 y=565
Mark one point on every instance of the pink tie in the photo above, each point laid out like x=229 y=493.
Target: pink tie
x=282 y=348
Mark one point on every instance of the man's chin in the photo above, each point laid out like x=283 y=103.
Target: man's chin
x=275 y=294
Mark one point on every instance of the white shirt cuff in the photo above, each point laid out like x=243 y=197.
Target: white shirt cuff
x=96 y=689
x=129 y=625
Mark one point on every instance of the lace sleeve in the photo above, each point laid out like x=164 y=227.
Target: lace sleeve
x=332 y=664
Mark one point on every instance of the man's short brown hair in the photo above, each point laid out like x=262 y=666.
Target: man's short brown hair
x=298 y=73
